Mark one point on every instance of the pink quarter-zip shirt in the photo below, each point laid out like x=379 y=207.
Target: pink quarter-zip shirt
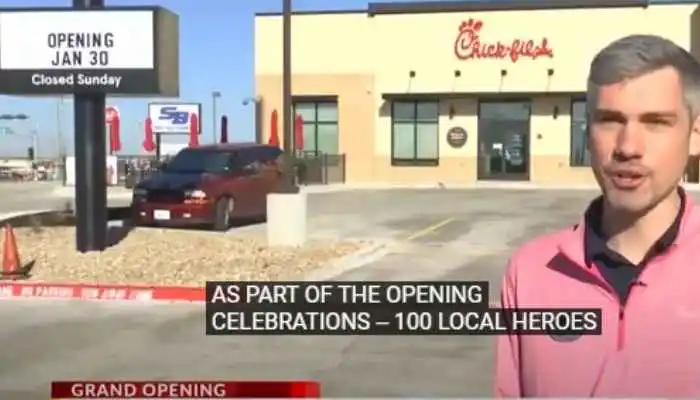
x=648 y=348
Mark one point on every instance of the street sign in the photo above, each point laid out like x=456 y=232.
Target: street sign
x=173 y=117
x=114 y=50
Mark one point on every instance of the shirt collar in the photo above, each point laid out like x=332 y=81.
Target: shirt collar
x=595 y=242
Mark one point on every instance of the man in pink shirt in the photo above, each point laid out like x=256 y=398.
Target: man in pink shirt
x=636 y=252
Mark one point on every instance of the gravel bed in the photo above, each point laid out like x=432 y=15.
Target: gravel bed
x=171 y=257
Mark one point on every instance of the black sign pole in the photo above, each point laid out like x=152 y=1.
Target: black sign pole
x=159 y=140
x=90 y=163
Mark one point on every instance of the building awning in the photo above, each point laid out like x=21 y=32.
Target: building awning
x=427 y=96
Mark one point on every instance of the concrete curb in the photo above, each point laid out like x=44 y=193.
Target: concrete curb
x=6 y=217
x=29 y=289
x=101 y=292
x=76 y=291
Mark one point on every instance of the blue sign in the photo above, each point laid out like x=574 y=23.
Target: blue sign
x=174 y=116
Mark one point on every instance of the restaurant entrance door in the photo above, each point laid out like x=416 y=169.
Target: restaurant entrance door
x=504 y=140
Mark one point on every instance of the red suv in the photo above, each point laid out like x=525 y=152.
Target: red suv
x=209 y=185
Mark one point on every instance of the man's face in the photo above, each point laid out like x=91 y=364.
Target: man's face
x=640 y=139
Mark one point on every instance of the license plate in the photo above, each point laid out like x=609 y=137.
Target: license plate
x=161 y=214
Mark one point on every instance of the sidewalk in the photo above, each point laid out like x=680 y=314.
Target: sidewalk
x=340 y=187
x=119 y=193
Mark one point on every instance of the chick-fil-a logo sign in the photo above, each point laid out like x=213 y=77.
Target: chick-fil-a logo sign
x=469 y=45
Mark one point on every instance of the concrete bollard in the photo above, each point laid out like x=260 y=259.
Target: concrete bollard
x=286 y=219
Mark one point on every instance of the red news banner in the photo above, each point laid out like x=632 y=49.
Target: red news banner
x=118 y=390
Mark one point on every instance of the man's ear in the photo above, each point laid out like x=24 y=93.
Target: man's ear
x=695 y=138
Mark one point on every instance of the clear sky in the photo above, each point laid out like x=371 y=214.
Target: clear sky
x=216 y=53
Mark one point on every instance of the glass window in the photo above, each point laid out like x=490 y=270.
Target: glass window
x=579 y=155
x=415 y=133
x=404 y=141
x=320 y=126
x=510 y=111
x=327 y=138
x=402 y=111
x=327 y=112
x=306 y=110
x=427 y=141
x=427 y=111
x=309 y=134
x=199 y=161
x=270 y=153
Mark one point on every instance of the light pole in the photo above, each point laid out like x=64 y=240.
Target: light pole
x=215 y=95
x=257 y=116
x=59 y=128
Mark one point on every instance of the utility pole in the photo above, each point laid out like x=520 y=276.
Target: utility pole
x=257 y=111
x=60 y=150
x=289 y=185
x=214 y=97
x=287 y=208
x=59 y=128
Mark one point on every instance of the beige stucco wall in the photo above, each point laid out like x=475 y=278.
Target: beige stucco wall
x=359 y=58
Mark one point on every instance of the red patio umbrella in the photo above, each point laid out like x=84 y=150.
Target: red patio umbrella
x=148 y=144
x=299 y=132
x=115 y=143
x=112 y=120
x=274 y=130
x=224 y=129
x=194 y=130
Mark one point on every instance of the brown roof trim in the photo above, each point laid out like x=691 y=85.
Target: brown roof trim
x=426 y=7
x=312 y=98
x=313 y=12
x=483 y=96
x=503 y=5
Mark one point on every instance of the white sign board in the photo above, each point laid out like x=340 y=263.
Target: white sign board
x=49 y=40
x=114 y=51
x=173 y=117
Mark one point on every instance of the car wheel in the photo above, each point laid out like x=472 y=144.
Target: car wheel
x=222 y=215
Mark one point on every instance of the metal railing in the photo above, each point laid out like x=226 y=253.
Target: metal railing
x=312 y=168
x=315 y=168
x=133 y=169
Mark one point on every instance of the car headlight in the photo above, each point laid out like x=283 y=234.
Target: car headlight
x=195 y=194
x=140 y=192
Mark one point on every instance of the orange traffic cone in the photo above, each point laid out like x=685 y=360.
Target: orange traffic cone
x=10 y=254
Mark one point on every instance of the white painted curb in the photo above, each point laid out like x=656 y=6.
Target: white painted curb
x=7 y=216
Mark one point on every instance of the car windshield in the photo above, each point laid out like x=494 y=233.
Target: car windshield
x=199 y=162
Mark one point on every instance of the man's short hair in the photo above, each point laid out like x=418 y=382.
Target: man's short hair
x=636 y=55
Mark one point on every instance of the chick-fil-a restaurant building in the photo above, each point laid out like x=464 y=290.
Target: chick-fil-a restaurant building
x=453 y=92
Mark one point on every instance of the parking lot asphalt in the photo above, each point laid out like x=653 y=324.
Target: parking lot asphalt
x=20 y=196
x=441 y=235
x=30 y=196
